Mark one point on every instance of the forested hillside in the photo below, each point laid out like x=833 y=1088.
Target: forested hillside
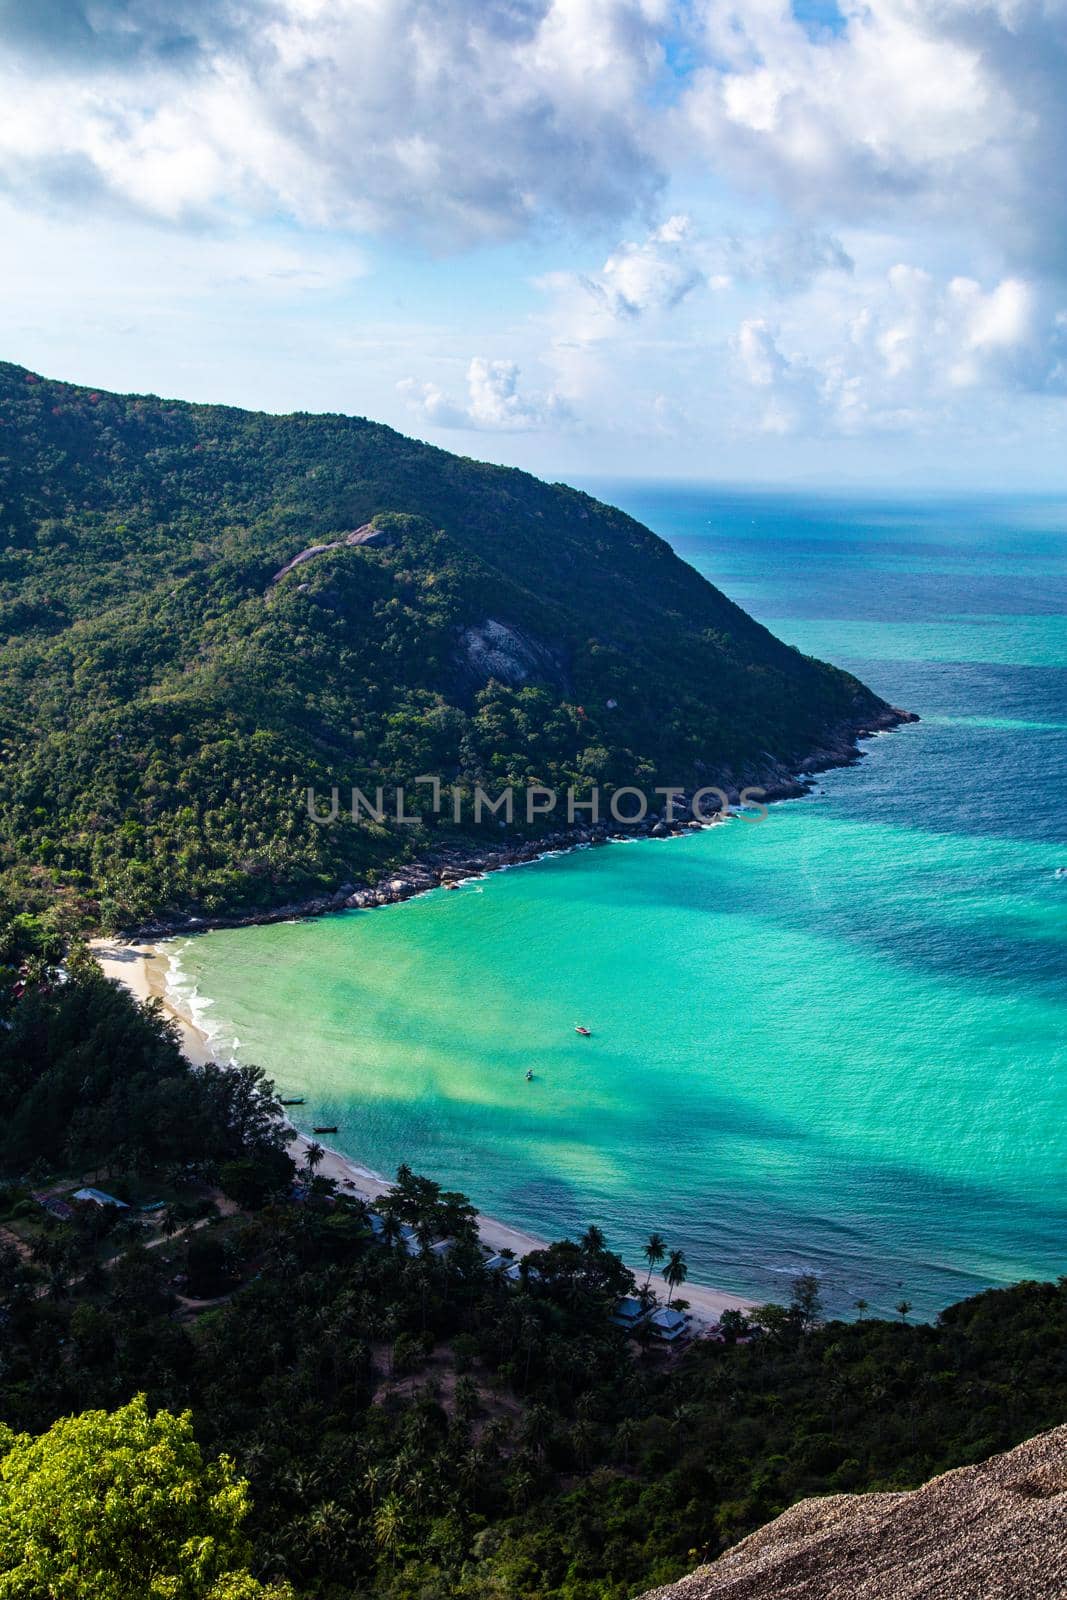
x=409 y=1422
x=166 y=699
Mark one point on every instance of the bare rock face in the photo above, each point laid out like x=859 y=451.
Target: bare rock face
x=494 y=650
x=367 y=535
x=997 y=1531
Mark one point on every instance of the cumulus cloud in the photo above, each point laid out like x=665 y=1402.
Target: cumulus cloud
x=654 y=275
x=923 y=132
x=901 y=353
x=466 y=121
x=434 y=117
x=494 y=402
x=948 y=109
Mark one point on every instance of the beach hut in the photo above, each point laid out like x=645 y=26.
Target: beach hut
x=629 y=1314
x=98 y=1197
x=667 y=1325
x=514 y=1274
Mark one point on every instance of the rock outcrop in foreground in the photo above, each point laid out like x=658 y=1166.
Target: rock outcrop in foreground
x=997 y=1531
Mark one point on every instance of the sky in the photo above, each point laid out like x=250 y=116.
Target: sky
x=814 y=242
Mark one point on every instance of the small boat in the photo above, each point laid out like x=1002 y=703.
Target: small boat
x=529 y=1075
x=586 y=1033
x=325 y=1130
x=299 y=1102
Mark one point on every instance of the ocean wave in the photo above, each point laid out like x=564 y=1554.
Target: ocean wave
x=182 y=993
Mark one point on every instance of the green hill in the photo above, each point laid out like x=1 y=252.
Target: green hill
x=166 y=699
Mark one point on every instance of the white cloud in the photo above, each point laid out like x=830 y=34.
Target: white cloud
x=432 y=117
x=949 y=110
x=494 y=404
x=899 y=270
x=908 y=351
x=647 y=278
x=652 y=276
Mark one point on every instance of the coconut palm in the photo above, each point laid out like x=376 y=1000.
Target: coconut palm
x=583 y=1441
x=903 y=1307
x=654 y=1252
x=313 y=1155
x=625 y=1439
x=675 y=1272
x=389 y=1526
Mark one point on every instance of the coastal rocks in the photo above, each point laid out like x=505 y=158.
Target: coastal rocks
x=997 y=1529
x=450 y=865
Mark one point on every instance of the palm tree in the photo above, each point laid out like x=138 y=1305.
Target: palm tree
x=520 y=1484
x=389 y=1525
x=583 y=1441
x=592 y=1240
x=625 y=1439
x=903 y=1307
x=655 y=1250
x=861 y=1307
x=313 y=1155
x=537 y=1428
x=173 y=1219
x=675 y=1272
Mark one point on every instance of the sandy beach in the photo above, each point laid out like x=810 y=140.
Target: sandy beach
x=142 y=968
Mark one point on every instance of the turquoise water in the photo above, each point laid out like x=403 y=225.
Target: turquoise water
x=834 y=1039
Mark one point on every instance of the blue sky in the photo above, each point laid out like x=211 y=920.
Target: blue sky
x=811 y=243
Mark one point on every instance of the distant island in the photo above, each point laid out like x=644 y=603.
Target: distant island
x=207 y=612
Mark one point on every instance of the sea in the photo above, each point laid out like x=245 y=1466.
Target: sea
x=830 y=1042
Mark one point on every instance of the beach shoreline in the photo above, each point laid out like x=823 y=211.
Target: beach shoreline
x=451 y=863
x=141 y=967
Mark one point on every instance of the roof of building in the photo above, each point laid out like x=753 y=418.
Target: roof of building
x=667 y=1324
x=515 y=1273
x=99 y=1198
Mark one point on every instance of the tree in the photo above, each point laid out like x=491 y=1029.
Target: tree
x=733 y=1325
x=903 y=1307
x=389 y=1526
x=592 y=1240
x=675 y=1272
x=654 y=1252
x=806 y=1300
x=860 y=1307
x=252 y=1180
x=121 y=1506
x=313 y=1155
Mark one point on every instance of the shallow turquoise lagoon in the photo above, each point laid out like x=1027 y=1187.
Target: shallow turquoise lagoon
x=833 y=1039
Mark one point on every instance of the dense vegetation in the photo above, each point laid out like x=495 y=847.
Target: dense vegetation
x=164 y=704
x=121 y=1507
x=408 y=1423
